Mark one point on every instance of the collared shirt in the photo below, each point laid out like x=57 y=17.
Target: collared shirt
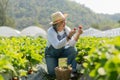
x=53 y=40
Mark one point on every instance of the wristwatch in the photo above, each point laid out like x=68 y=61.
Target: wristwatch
x=68 y=37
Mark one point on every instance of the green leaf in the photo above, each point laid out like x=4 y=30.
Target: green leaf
x=23 y=73
x=1 y=78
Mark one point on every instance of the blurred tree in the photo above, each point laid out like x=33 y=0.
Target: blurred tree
x=119 y=21
x=35 y=12
x=95 y=25
x=5 y=20
x=3 y=7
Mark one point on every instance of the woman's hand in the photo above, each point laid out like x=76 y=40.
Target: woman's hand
x=71 y=33
x=80 y=31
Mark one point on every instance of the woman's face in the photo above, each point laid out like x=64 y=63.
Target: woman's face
x=61 y=25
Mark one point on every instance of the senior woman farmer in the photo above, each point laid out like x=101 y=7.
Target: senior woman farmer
x=61 y=43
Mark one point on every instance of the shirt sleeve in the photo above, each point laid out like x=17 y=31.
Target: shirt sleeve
x=72 y=42
x=52 y=38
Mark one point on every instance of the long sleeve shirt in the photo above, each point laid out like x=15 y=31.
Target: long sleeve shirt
x=53 y=40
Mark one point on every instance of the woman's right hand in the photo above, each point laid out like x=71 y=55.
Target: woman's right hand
x=72 y=32
x=80 y=31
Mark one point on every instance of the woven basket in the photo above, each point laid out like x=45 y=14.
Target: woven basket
x=63 y=73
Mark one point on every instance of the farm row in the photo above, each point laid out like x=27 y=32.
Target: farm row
x=99 y=57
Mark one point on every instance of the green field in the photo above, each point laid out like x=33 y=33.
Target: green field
x=99 y=57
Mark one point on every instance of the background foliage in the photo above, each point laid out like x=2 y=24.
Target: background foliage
x=38 y=12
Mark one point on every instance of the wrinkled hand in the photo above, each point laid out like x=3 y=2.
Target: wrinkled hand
x=72 y=32
x=80 y=31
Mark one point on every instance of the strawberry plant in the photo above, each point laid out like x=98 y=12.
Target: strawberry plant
x=21 y=53
x=100 y=57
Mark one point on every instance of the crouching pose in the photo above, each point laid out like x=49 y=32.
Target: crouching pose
x=61 y=43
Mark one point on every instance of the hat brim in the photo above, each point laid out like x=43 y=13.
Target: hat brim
x=65 y=15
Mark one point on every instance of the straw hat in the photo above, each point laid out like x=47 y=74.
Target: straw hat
x=58 y=17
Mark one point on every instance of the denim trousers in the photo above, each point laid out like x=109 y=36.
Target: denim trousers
x=52 y=55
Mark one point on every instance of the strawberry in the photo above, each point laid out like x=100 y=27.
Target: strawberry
x=30 y=71
x=80 y=27
x=74 y=29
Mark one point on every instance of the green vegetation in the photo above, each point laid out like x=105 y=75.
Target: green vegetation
x=5 y=20
x=100 y=57
x=19 y=55
x=38 y=12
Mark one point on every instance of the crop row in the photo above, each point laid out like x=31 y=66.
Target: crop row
x=99 y=57
x=19 y=55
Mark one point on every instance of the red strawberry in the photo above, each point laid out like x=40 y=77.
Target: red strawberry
x=80 y=27
x=74 y=29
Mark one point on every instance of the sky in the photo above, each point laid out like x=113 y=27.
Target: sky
x=102 y=6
